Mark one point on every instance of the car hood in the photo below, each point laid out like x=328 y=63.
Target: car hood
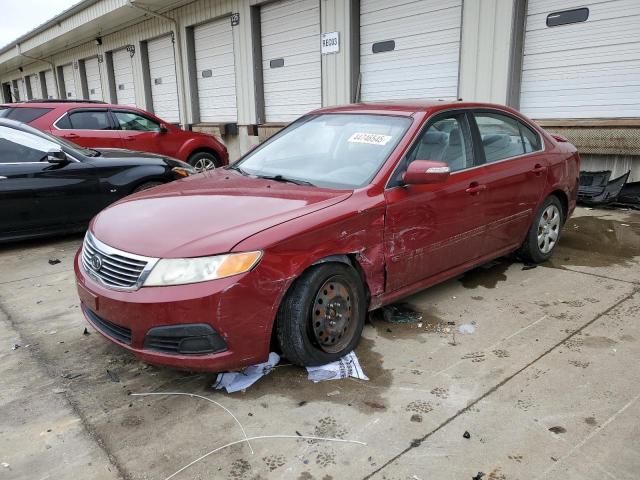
x=205 y=214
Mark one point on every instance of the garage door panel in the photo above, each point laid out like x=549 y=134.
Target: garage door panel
x=123 y=76
x=275 y=11
x=214 y=54
x=291 y=30
x=162 y=71
x=34 y=81
x=578 y=69
x=51 y=84
x=426 y=34
x=94 y=85
x=69 y=82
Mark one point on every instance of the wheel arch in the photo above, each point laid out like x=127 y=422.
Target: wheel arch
x=350 y=259
x=564 y=201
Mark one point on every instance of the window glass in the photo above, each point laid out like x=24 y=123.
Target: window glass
x=24 y=114
x=64 y=123
x=330 y=150
x=500 y=136
x=18 y=146
x=530 y=139
x=89 y=120
x=444 y=141
x=133 y=121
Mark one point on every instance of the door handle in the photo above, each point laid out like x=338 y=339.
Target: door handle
x=538 y=169
x=71 y=135
x=129 y=139
x=475 y=188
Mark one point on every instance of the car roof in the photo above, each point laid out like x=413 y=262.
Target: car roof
x=65 y=104
x=408 y=107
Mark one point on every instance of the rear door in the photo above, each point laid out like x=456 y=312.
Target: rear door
x=431 y=229
x=516 y=169
x=90 y=127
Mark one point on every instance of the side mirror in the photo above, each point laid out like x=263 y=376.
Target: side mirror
x=163 y=128
x=421 y=172
x=57 y=156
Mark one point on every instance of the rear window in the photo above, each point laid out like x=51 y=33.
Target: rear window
x=24 y=114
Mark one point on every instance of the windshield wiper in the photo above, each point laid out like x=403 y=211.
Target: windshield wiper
x=280 y=178
x=237 y=168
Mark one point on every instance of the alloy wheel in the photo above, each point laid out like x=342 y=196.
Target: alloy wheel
x=549 y=228
x=204 y=164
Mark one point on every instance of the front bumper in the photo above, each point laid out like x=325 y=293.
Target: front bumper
x=235 y=315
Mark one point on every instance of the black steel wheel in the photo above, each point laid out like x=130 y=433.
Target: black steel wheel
x=322 y=315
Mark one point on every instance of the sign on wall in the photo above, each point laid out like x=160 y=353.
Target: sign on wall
x=329 y=43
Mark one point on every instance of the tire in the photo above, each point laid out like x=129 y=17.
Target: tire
x=309 y=331
x=202 y=161
x=146 y=186
x=544 y=233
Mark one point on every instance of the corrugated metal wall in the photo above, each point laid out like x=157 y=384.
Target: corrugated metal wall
x=486 y=56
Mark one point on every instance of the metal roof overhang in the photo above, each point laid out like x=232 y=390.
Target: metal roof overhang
x=81 y=23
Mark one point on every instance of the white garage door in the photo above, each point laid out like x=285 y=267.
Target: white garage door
x=290 y=58
x=581 y=68
x=69 y=82
x=34 y=82
x=164 y=87
x=51 y=84
x=123 y=75
x=409 y=49
x=22 y=90
x=94 y=85
x=215 y=70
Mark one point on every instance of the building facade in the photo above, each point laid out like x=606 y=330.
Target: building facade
x=242 y=69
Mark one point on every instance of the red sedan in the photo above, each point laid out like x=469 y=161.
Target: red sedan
x=345 y=210
x=100 y=125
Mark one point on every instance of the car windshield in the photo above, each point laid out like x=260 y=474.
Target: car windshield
x=342 y=151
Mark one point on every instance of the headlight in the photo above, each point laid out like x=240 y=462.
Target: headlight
x=178 y=271
x=183 y=171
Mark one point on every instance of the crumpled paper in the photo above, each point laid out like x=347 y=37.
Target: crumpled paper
x=236 y=381
x=347 y=366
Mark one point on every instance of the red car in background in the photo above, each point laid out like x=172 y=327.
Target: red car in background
x=100 y=125
x=345 y=210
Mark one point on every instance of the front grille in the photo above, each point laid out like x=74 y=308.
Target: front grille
x=118 y=332
x=113 y=268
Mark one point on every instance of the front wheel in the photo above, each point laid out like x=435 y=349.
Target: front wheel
x=544 y=233
x=321 y=317
x=202 y=161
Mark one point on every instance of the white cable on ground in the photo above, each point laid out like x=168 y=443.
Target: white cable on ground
x=306 y=437
x=208 y=400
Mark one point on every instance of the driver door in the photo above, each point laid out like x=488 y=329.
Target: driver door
x=433 y=228
x=38 y=195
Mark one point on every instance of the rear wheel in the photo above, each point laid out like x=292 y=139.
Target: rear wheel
x=544 y=233
x=202 y=161
x=321 y=318
x=146 y=186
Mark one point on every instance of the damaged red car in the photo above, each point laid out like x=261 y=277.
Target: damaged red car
x=345 y=210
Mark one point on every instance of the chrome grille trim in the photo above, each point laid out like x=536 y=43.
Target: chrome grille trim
x=120 y=270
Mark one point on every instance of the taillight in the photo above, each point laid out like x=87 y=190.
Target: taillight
x=559 y=138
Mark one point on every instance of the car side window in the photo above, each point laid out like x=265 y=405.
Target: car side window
x=134 y=121
x=85 y=120
x=447 y=140
x=505 y=137
x=17 y=146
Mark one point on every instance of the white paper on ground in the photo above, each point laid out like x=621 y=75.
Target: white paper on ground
x=347 y=366
x=236 y=381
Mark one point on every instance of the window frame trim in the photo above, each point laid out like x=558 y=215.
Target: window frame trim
x=78 y=110
x=474 y=111
x=118 y=127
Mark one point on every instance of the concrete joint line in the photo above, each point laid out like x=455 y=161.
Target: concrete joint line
x=417 y=442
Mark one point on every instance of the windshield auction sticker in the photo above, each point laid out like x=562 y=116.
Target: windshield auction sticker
x=370 y=138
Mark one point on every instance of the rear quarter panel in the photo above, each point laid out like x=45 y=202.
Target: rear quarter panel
x=564 y=171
